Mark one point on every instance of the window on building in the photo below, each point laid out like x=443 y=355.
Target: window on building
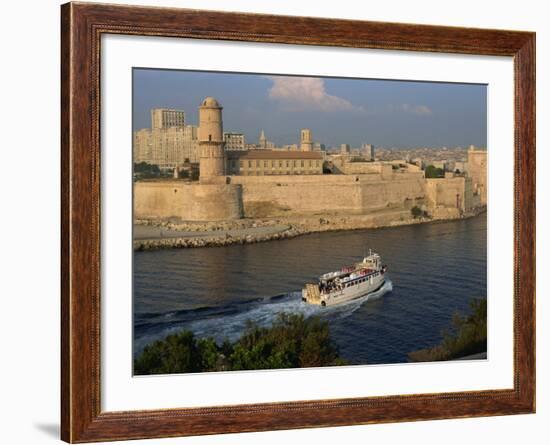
x=302 y=163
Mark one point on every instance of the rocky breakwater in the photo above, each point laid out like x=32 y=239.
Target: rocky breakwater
x=213 y=240
x=177 y=234
x=173 y=234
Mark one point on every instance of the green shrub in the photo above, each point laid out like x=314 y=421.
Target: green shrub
x=469 y=336
x=434 y=172
x=416 y=212
x=175 y=354
x=293 y=341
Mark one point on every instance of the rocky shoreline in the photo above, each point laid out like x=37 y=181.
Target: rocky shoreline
x=215 y=234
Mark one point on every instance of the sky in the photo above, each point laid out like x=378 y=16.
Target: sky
x=386 y=113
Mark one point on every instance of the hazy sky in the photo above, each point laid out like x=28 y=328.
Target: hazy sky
x=353 y=111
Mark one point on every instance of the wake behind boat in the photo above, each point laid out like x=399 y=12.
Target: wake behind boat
x=347 y=284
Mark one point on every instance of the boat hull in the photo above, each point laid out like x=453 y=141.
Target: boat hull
x=346 y=294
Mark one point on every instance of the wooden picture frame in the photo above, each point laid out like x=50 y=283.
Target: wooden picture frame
x=82 y=26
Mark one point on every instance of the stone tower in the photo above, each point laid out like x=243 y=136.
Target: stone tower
x=306 y=141
x=211 y=142
x=263 y=140
x=477 y=170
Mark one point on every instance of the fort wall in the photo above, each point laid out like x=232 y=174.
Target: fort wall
x=453 y=192
x=342 y=165
x=477 y=170
x=270 y=196
x=276 y=196
x=280 y=199
x=189 y=202
x=399 y=193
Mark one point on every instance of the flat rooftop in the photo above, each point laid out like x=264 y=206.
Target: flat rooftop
x=273 y=154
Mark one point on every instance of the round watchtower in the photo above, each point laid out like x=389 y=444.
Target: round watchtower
x=211 y=143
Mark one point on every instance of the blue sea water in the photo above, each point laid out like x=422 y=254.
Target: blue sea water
x=434 y=271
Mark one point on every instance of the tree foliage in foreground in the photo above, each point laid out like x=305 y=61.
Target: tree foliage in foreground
x=469 y=336
x=293 y=341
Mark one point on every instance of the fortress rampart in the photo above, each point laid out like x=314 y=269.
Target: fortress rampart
x=276 y=196
x=189 y=202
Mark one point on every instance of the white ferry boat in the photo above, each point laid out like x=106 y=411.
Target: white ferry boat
x=347 y=284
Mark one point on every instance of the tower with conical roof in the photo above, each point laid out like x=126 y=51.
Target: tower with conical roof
x=211 y=142
x=263 y=140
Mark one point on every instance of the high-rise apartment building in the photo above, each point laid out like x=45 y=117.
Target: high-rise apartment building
x=234 y=141
x=368 y=151
x=317 y=146
x=143 y=145
x=169 y=142
x=191 y=143
x=162 y=118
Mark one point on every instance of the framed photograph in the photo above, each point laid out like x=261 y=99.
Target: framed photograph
x=275 y=222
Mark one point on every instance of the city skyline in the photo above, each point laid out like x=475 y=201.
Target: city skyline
x=386 y=113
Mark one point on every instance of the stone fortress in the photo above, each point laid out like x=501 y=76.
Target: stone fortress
x=278 y=183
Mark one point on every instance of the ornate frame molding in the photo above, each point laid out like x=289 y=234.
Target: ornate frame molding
x=82 y=25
